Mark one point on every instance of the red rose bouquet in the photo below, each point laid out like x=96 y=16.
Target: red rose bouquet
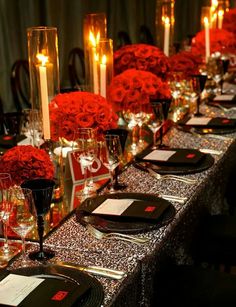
x=25 y=162
x=185 y=62
x=229 y=21
x=220 y=40
x=80 y=109
x=135 y=87
x=141 y=57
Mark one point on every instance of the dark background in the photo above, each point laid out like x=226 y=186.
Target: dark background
x=67 y=15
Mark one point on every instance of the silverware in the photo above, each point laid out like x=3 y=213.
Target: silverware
x=145 y=166
x=218 y=105
x=96 y=270
x=114 y=236
x=177 y=199
x=211 y=151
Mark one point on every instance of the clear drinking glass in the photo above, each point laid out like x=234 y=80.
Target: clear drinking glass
x=24 y=215
x=85 y=151
x=155 y=119
x=6 y=251
x=110 y=154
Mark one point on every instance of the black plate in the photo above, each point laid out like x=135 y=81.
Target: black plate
x=199 y=130
x=93 y=298
x=204 y=164
x=110 y=224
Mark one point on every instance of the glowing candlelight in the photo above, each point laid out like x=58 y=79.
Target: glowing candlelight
x=207 y=38
x=94 y=41
x=220 y=18
x=166 y=35
x=44 y=94
x=103 y=70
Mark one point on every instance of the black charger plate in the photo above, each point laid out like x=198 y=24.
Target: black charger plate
x=112 y=224
x=93 y=298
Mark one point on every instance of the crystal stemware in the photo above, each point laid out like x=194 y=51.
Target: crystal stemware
x=85 y=151
x=155 y=119
x=6 y=251
x=42 y=190
x=110 y=154
x=198 y=83
x=24 y=215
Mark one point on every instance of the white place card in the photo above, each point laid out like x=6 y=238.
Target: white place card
x=224 y=98
x=15 y=288
x=160 y=155
x=201 y=121
x=113 y=206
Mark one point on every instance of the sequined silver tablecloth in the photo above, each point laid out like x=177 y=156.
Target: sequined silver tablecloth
x=73 y=243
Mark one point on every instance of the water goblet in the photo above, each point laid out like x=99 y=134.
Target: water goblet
x=84 y=150
x=155 y=119
x=24 y=215
x=110 y=154
x=198 y=83
x=6 y=251
x=42 y=190
x=165 y=109
x=129 y=115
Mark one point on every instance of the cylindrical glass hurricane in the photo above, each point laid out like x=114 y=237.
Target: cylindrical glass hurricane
x=105 y=49
x=44 y=71
x=95 y=27
x=165 y=21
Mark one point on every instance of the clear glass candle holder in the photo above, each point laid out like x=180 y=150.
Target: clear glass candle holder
x=94 y=27
x=44 y=71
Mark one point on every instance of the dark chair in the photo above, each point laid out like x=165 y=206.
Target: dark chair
x=20 y=85
x=123 y=39
x=145 y=36
x=76 y=67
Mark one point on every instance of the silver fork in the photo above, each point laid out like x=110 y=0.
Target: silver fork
x=224 y=109
x=170 y=177
x=115 y=235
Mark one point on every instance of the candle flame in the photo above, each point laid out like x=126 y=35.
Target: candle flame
x=96 y=57
x=214 y=3
x=221 y=13
x=104 y=59
x=206 y=22
x=94 y=41
x=42 y=58
x=167 y=20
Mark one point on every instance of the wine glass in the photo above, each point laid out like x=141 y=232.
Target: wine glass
x=6 y=251
x=110 y=154
x=24 y=215
x=42 y=190
x=85 y=151
x=155 y=119
x=198 y=82
x=225 y=64
x=165 y=109
x=129 y=115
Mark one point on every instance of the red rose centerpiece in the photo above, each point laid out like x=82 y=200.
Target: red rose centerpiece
x=186 y=63
x=141 y=57
x=136 y=87
x=72 y=110
x=220 y=41
x=25 y=162
x=229 y=21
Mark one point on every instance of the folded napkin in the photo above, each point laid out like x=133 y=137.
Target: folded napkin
x=216 y=122
x=175 y=156
x=128 y=208
x=225 y=99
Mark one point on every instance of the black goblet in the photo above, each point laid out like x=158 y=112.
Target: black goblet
x=42 y=190
x=198 y=82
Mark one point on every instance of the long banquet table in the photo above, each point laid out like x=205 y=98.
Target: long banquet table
x=73 y=243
